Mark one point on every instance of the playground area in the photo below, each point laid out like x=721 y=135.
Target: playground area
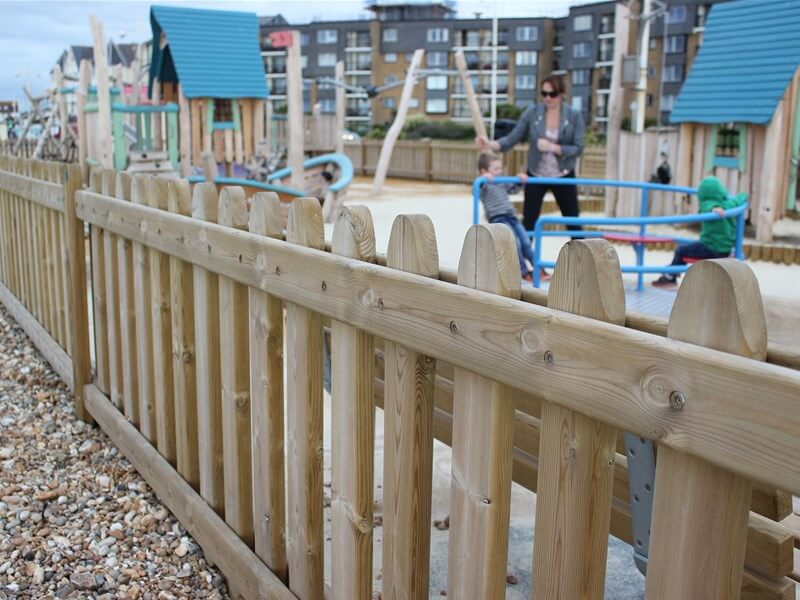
x=334 y=375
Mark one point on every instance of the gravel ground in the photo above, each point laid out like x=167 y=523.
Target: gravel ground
x=76 y=520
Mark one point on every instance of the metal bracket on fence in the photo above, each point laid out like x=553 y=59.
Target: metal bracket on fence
x=641 y=481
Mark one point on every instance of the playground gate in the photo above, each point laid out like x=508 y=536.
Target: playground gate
x=197 y=301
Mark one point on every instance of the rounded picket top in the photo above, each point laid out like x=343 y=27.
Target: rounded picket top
x=305 y=225
x=489 y=261
x=354 y=233
x=205 y=202
x=180 y=197
x=123 y=186
x=266 y=215
x=587 y=281
x=719 y=306
x=233 y=207
x=412 y=246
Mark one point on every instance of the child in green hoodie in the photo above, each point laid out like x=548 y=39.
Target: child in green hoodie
x=717 y=236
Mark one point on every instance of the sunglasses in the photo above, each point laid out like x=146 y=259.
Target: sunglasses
x=545 y=94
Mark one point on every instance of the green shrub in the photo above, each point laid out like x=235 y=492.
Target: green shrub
x=418 y=128
x=509 y=111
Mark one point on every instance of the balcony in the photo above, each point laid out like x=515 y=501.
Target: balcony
x=604 y=83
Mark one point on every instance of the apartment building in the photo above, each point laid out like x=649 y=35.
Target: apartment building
x=579 y=46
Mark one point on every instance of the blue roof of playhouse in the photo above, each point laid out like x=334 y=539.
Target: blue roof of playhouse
x=213 y=53
x=750 y=51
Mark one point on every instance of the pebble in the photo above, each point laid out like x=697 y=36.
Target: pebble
x=76 y=519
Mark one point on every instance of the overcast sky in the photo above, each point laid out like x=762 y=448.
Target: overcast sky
x=35 y=33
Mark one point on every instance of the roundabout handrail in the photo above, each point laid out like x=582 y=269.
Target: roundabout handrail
x=642 y=221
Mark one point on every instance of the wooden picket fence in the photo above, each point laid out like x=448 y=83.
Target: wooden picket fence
x=208 y=315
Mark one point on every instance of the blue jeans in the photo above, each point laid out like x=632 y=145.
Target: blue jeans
x=524 y=249
x=695 y=250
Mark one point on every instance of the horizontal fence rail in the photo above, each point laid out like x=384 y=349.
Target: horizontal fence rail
x=209 y=324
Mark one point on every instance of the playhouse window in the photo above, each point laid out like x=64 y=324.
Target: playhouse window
x=223 y=112
x=729 y=146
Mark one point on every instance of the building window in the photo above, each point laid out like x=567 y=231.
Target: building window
x=525 y=58
x=303 y=61
x=605 y=52
x=607 y=24
x=327 y=106
x=649 y=99
x=358 y=39
x=389 y=103
x=409 y=56
x=436 y=106
x=675 y=44
x=390 y=57
x=361 y=81
x=730 y=140
x=436 y=82
x=581 y=76
x=304 y=38
x=581 y=50
x=582 y=23
x=413 y=103
x=327 y=36
x=326 y=59
x=702 y=15
x=389 y=79
x=358 y=107
x=653 y=43
x=438 y=34
x=577 y=103
x=651 y=71
x=523 y=102
x=437 y=59
x=673 y=73
x=667 y=102
x=357 y=61
x=529 y=33
x=525 y=82
x=676 y=14
x=389 y=35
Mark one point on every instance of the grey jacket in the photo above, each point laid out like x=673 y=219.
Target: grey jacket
x=531 y=126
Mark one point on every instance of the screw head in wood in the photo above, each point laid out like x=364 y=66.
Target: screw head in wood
x=549 y=359
x=453 y=327
x=277 y=271
x=324 y=286
x=677 y=400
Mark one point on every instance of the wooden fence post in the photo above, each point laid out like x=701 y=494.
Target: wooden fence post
x=576 y=452
x=353 y=426
x=78 y=307
x=209 y=390
x=141 y=188
x=304 y=405
x=699 y=506
x=408 y=431
x=183 y=347
x=127 y=319
x=98 y=267
x=112 y=300
x=235 y=378
x=483 y=436
x=266 y=400
x=59 y=225
x=161 y=323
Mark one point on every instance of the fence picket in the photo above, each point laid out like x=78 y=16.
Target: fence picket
x=110 y=245
x=99 y=309
x=576 y=452
x=127 y=317
x=353 y=426
x=161 y=323
x=697 y=505
x=266 y=400
x=209 y=386
x=183 y=347
x=235 y=379
x=408 y=430
x=483 y=426
x=304 y=405
x=141 y=187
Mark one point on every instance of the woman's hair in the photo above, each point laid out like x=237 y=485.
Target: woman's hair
x=486 y=159
x=555 y=82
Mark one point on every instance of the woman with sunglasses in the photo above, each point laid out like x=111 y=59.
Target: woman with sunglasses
x=555 y=132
